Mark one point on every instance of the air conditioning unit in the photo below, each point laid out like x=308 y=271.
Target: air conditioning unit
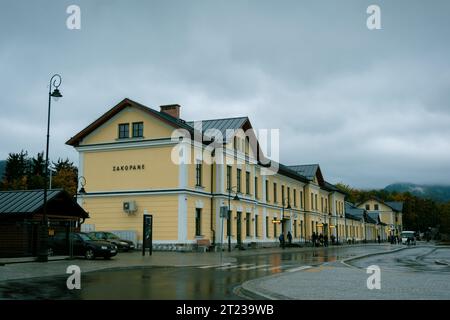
x=129 y=206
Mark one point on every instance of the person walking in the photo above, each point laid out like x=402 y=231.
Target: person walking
x=289 y=238
x=313 y=238
x=281 y=238
x=321 y=239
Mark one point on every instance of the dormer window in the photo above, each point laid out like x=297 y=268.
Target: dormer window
x=138 y=129
x=124 y=131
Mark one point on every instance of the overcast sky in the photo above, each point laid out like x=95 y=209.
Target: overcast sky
x=372 y=107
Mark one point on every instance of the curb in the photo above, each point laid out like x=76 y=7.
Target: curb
x=344 y=262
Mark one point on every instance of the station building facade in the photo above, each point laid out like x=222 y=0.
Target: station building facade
x=132 y=165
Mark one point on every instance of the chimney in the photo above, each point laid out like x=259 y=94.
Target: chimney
x=171 y=109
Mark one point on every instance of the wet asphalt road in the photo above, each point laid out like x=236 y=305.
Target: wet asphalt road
x=414 y=259
x=187 y=283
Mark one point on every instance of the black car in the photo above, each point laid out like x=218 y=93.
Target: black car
x=122 y=244
x=82 y=245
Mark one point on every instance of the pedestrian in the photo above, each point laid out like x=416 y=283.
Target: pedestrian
x=321 y=239
x=281 y=238
x=379 y=239
x=325 y=240
x=313 y=238
x=289 y=237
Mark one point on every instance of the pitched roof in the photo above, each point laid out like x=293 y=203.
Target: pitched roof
x=230 y=124
x=395 y=205
x=175 y=122
x=32 y=201
x=355 y=213
x=307 y=170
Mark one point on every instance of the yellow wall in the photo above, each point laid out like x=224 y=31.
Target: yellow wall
x=108 y=132
x=159 y=172
x=107 y=214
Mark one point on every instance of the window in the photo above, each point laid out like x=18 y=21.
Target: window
x=267 y=227
x=282 y=195
x=198 y=174
x=228 y=178
x=247 y=224
x=295 y=228
x=256 y=187
x=295 y=198
x=124 y=130
x=312 y=201
x=247 y=182
x=289 y=195
x=274 y=192
x=235 y=141
x=376 y=207
x=267 y=190
x=301 y=199
x=326 y=205
x=315 y=202
x=138 y=129
x=367 y=206
x=275 y=229
x=256 y=226
x=238 y=180
x=198 y=222
x=301 y=229
x=321 y=205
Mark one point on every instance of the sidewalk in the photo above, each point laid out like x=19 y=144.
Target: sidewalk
x=340 y=281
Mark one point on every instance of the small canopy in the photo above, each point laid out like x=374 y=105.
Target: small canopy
x=26 y=203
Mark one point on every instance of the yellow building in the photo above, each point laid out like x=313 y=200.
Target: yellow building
x=389 y=213
x=136 y=160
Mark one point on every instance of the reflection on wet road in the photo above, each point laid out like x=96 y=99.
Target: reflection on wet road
x=206 y=282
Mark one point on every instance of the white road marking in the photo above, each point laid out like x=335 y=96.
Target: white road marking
x=235 y=266
x=273 y=268
x=299 y=268
x=215 y=266
x=256 y=267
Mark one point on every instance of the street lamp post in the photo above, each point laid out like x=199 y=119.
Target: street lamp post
x=229 y=215
x=55 y=82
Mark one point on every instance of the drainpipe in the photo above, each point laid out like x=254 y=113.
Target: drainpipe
x=213 y=231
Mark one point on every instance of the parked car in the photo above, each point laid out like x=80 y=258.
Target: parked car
x=83 y=245
x=122 y=244
x=408 y=237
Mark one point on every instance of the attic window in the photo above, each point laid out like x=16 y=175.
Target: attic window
x=138 y=129
x=124 y=131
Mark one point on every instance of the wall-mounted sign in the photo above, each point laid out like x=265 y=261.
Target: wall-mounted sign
x=129 y=167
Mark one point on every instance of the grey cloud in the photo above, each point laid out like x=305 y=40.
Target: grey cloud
x=372 y=107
